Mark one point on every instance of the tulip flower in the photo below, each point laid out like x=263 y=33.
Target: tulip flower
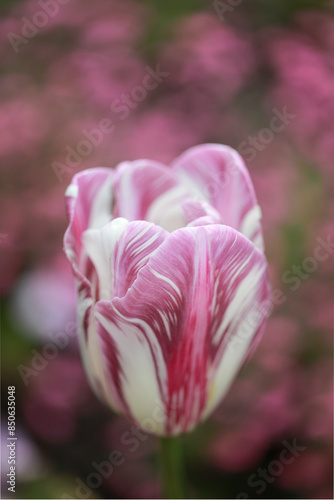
x=172 y=284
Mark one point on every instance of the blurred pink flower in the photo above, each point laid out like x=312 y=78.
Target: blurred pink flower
x=56 y=398
x=160 y=135
x=97 y=77
x=142 y=484
x=209 y=55
x=277 y=351
x=317 y=391
x=44 y=299
x=310 y=471
x=238 y=449
x=118 y=23
x=23 y=126
x=319 y=25
x=304 y=80
x=276 y=179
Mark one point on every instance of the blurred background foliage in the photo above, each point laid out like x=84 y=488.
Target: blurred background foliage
x=226 y=75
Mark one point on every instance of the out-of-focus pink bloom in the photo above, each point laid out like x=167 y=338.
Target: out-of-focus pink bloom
x=304 y=79
x=143 y=484
x=7 y=25
x=239 y=448
x=44 y=299
x=209 y=55
x=309 y=471
x=56 y=396
x=318 y=24
x=315 y=302
x=278 y=349
x=276 y=178
x=119 y=23
x=275 y=408
x=22 y=127
x=170 y=267
x=160 y=135
x=317 y=390
x=147 y=489
x=98 y=77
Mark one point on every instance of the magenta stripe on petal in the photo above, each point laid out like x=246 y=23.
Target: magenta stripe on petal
x=218 y=173
x=118 y=251
x=183 y=310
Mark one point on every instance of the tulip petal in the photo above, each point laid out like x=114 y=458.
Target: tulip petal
x=135 y=364
x=218 y=174
x=200 y=213
x=89 y=205
x=173 y=340
x=89 y=200
x=148 y=190
x=118 y=251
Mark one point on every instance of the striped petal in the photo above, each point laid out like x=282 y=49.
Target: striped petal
x=218 y=174
x=89 y=200
x=173 y=340
x=117 y=251
x=148 y=190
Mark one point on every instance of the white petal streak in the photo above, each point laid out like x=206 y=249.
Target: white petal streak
x=167 y=280
x=143 y=376
x=251 y=221
x=100 y=246
x=166 y=211
x=118 y=251
x=101 y=211
x=138 y=184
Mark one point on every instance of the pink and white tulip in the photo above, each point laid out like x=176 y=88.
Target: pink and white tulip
x=172 y=281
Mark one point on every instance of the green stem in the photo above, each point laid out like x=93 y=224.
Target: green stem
x=172 y=464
